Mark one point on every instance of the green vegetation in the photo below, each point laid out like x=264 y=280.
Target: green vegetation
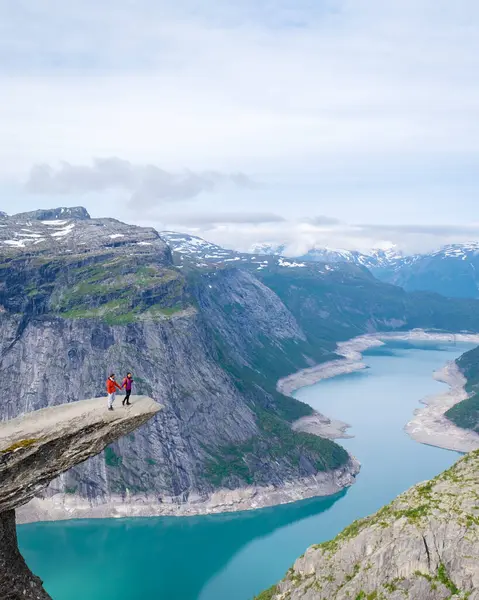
x=111 y=458
x=267 y=594
x=465 y=414
x=276 y=441
x=19 y=445
x=117 y=288
x=443 y=577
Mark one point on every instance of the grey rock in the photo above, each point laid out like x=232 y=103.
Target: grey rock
x=51 y=214
x=423 y=546
x=16 y=580
x=35 y=449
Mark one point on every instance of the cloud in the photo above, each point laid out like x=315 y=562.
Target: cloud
x=365 y=109
x=148 y=184
x=440 y=231
x=302 y=235
x=207 y=221
x=322 y=220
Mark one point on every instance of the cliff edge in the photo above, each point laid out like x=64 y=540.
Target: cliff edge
x=36 y=448
x=424 y=545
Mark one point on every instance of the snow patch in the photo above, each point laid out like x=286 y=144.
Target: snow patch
x=63 y=232
x=29 y=235
x=55 y=223
x=116 y=235
x=286 y=263
x=17 y=243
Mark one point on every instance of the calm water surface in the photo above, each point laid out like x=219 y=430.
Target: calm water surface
x=233 y=557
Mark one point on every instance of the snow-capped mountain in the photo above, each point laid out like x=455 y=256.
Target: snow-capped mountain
x=451 y=271
x=190 y=250
x=267 y=248
x=71 y=230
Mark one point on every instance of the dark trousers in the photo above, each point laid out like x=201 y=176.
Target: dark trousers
x=126 y=399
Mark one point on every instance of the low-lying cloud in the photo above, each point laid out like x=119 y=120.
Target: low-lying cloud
x=298 y=236
x=207 y=221
x=148 y=185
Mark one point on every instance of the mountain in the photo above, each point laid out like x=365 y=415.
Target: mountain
x=424 y=545
x=193 y=251
x=82 y=297
x=207 y=332
x=466 y=413
x=451 y=271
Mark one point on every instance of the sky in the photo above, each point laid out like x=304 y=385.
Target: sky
x=339 y=123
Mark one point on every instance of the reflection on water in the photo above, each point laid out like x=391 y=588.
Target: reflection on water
x=234 y=556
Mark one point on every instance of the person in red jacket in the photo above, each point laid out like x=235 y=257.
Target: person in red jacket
x=111 y=387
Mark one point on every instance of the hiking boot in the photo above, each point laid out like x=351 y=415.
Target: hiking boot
x=110 y=408
x=128 y=403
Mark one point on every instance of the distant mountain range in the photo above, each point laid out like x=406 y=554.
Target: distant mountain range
x=451 y=271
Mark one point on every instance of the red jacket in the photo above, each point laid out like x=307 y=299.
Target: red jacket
x=111 y=386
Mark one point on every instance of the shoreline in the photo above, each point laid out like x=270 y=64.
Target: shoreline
x=62 y=507
x=428 y=425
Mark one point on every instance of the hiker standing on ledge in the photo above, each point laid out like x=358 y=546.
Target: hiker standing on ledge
x=111 y=387
x=127 y=383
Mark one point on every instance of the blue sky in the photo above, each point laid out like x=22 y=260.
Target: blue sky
x=247 y=121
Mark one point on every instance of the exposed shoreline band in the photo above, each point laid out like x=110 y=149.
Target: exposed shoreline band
x=428 y=425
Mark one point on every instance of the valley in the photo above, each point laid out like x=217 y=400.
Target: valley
x=210 y=341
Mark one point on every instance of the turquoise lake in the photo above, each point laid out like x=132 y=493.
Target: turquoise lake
x=235 y=556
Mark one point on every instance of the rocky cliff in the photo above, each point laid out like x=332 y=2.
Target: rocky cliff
x=424 y=545
x=82 y=297
x=37 y=448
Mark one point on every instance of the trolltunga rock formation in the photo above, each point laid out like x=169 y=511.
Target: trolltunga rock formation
x=34 y=450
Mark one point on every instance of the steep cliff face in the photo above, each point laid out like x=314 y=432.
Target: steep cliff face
x=424 y=545
x=105 y=297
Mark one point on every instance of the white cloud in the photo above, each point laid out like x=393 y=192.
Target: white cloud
x=363 y=109
x=149 y=185
x=301 y=235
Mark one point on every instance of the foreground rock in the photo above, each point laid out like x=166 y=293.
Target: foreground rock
x=424 y=545
x=36 y=448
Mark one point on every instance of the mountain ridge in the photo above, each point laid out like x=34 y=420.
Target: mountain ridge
x=208 y=339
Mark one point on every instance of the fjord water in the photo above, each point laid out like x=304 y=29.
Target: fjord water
x=234 y=556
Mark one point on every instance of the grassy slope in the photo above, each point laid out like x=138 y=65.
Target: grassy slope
x=466 y=413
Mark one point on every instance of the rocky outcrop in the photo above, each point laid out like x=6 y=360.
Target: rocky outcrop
x=36 y=448
x=424 y=545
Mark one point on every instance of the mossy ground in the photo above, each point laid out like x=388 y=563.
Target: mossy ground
x=19 y=445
